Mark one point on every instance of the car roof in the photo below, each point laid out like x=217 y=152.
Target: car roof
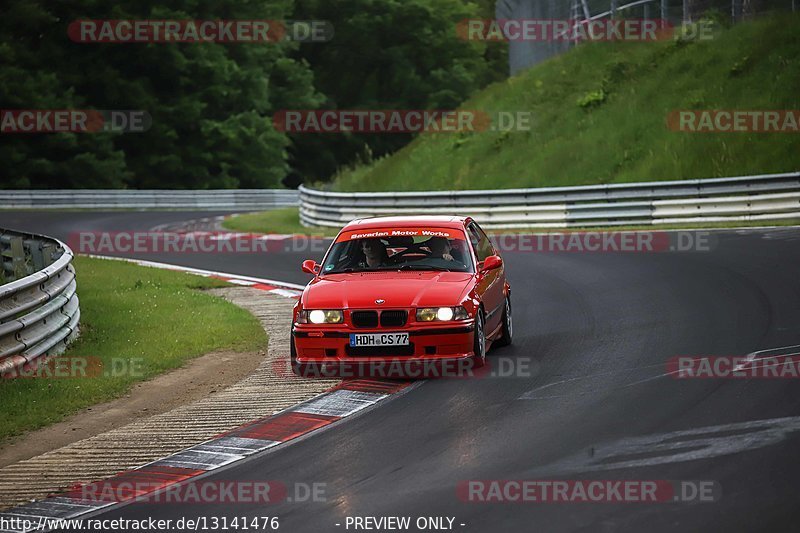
x=439 y=221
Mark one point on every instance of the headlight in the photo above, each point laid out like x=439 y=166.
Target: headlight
x=320 y=316
x=443 y=314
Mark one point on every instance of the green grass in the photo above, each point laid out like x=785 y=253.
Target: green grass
x=285 y=220
x=619 y=134
x=154 y=318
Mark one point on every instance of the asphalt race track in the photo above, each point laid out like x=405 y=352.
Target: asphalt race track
x=588 y=397
x=283 y=267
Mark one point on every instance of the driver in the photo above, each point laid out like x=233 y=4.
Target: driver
x=440 y=248
x=375 y=254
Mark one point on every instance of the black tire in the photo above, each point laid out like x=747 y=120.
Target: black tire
x=479 y=344
x=507 y=336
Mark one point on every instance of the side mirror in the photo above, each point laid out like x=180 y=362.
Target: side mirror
x=310 y=266
x=492 y=262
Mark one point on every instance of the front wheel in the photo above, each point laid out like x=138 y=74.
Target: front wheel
x=508 y=326
x=479 y=347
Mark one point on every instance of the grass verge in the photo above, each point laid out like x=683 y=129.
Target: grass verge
x=142 y=321
x=285 y=220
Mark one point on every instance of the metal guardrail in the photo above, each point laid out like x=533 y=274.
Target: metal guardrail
x=764 y=197
x=216 y=199
x=39 y=311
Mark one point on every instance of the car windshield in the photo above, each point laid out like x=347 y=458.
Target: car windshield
x=414 y=249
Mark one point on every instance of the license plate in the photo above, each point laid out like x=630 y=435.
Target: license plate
x=379 y=339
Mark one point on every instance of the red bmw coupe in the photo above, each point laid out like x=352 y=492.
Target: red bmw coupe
x=427 y=290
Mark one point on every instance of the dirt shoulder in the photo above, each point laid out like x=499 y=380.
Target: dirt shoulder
x=198 y=378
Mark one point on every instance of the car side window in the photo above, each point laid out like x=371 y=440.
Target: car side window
x=481 y=243
x=474 y=238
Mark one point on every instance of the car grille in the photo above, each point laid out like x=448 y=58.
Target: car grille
x=388 y=319
x=393 y=319
x=364 y=319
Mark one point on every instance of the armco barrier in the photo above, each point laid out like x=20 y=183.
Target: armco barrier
x=765 y=197
x=39 y=310
x=221 y=199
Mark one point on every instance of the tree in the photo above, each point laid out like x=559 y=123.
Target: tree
x=397 y=54
x=29 y=80
x=210 y=103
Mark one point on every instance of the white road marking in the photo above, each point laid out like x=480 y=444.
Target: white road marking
x=236 y=445
x=339 y=403
x=749 y=358
x=201 y=272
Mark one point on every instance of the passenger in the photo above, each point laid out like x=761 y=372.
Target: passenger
x=440 y=248
x=375 y=254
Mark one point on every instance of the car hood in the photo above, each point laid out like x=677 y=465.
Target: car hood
x=398 y=289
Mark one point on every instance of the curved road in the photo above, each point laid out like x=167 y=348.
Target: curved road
x=589 y=398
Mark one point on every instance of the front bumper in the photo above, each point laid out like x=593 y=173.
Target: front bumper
x=433 y=350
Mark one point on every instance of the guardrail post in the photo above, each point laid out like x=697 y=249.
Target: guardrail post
x=48 y=254
x=16 y=253
x=37 y=258
x=736 y=10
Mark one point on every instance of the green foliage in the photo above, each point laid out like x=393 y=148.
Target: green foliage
x=592 y=99
x=716 y=17
x=740 y=66
x=210 y=103
x=390 y=54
